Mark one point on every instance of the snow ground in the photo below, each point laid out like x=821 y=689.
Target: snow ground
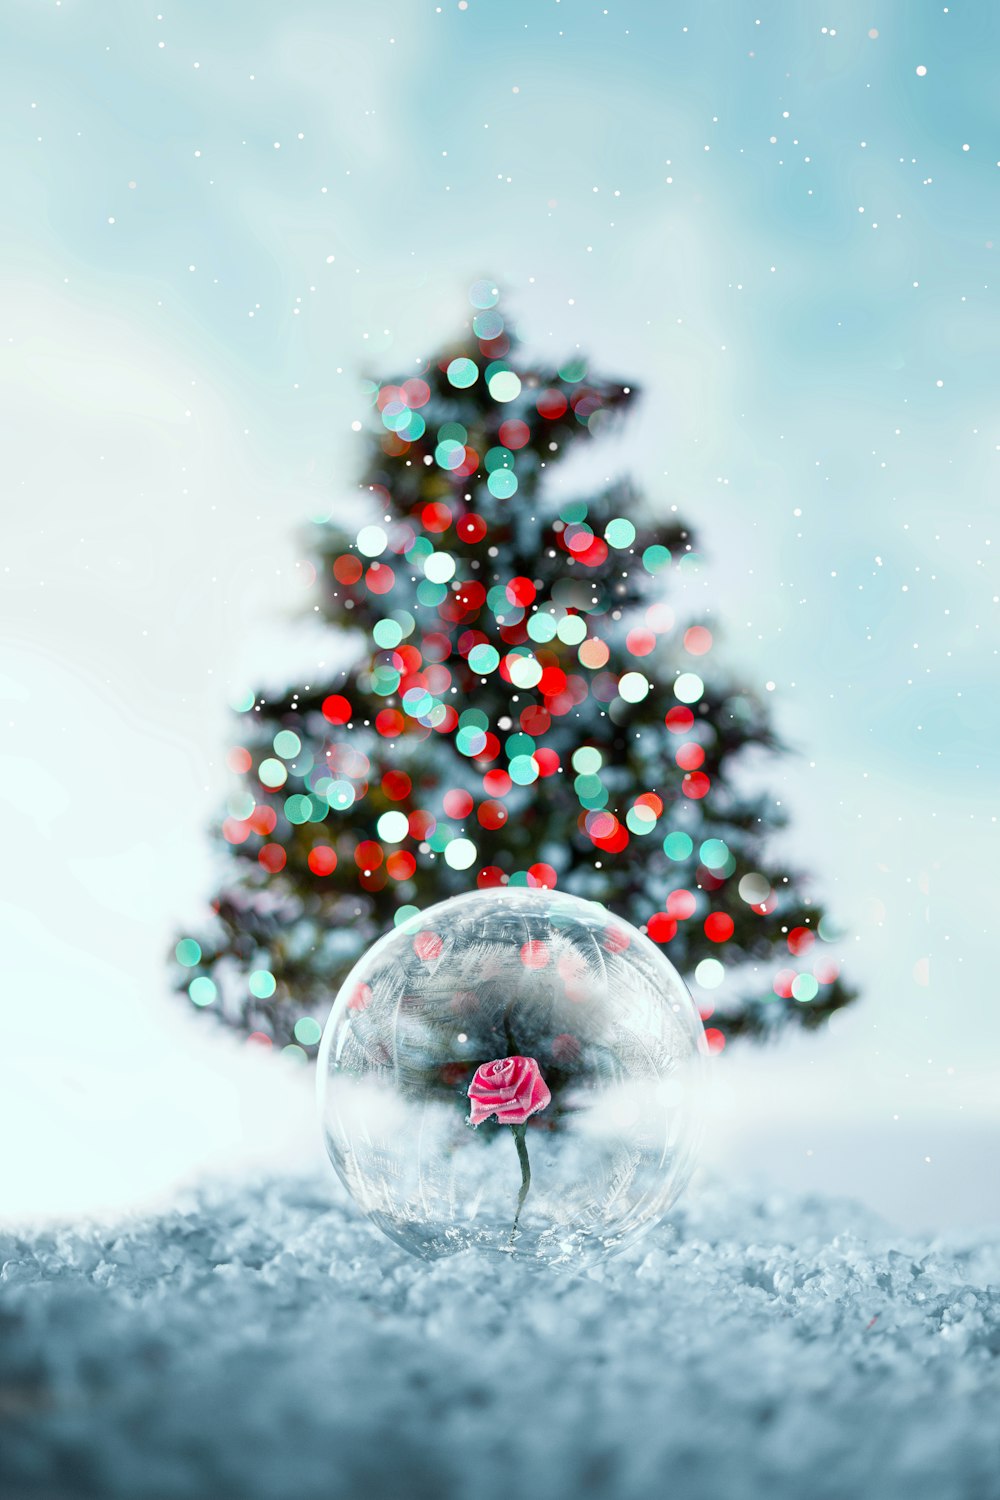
x=264 y=1342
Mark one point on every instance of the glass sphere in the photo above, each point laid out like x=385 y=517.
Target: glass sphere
x=517 y=1071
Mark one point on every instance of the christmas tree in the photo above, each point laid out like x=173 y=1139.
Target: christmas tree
x=523 y=709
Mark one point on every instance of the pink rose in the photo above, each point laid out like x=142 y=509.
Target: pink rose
x=511 y=1088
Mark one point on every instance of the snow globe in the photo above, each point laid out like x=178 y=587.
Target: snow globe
x=516 y=1071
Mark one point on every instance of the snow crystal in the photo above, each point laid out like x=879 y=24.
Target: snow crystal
x=268 y=1343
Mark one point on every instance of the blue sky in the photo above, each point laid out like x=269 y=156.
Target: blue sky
x=761 y=213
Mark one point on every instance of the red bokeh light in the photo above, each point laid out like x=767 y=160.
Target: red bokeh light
x=697 y=640
x=347 y=568
x=661 y=927
x=615 y=840
x=535 y=721
x=380 y=578
x=690 y=756
x=263 y=819
x=490 y=750
x=468 y=466
x=514 y=433
x=681 y=904
x=521 y=591
x=800 y=940
x=640 y=642
x=552 y=681
x=422 y=823
x=415 y=393
x=336 y=709
x=400 y=864
x=449 y=720
x=551 y=404
x=595 y=555
x=547 y=761
x=492 y=814
x=436 y=646
x=322 y=860
x=273 y=858
x=679 y=720
x=471 y=528
x=458 y=803
x=436 y=516
x=652 y=801
x=368 y=855
x=390 y=723
x=719 y=927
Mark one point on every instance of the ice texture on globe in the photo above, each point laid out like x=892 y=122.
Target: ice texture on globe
x=562 y=1030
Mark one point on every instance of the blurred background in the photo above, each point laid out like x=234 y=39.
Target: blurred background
x=778 y=219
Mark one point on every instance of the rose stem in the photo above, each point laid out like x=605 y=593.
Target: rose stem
x=518 y=1133
x=522 y=1152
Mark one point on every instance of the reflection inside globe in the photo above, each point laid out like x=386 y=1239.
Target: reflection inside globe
x=517 y=1071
